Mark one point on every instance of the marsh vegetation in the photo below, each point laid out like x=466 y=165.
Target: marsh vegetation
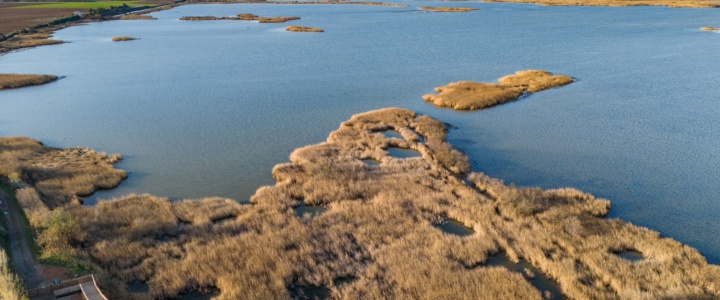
x=670 y=3
x=710 y=28
x=447 y=9
x=123 y=38
x=13 y=81
x=469 y=95
x=137 y=17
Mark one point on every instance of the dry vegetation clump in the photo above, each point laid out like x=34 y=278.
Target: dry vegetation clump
x=13 y=81
x=447 y=9
x=468 y=95
x=59 y=175
x=303 y=29
x=204 y=18
x=248 y=17
x=123 y=38
x=710 y=28
x=10 y=284
x=276 y=19
x=378 y=239
x=137 y=17
x=670 y=3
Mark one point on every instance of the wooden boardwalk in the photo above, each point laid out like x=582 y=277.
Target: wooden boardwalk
x=83 y=288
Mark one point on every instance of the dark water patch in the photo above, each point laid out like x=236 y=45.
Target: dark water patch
x=392 y=134
x=201 y=294
x=403 y=152
x=309 y=292
x=370 y=162
x=545 y=285
x=138 y=286
x=314 y=211
x=454 y=227
x=630 y=255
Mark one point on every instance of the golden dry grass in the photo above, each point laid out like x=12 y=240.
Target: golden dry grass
x=468 y=95
x=378 y=238
x=59 y=175
x=10 y=284
x=122 y=38
x=710 y=28
x=248 y=17
x=137 y=17
x=303 y=29
x=670 y=3
x=13 y=81
x=447 y=9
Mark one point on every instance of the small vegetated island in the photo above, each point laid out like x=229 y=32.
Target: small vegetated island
x=303 y=29
x=379 y=236
x=242 y=17
x=469 y=95
x=447 y=9
x=710 y=28
x=123 y=38
x=13 y=81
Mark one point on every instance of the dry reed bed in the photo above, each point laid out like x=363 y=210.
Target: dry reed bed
x=242 y=17
x=670 y=3
x=378 y=239
x=123 y=38
x=10 y=284
x=303 y=29
x=469 y=95
x=447 y=9
x=710 y=28
x=13 y=81
x=59 y=175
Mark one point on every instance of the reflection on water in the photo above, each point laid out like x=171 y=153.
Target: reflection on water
x=313 y=211
x=197 y=110
x=630 y=255
x=454 y=227
x=392 y=134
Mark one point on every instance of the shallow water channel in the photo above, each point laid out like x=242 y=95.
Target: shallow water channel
x=208 y=108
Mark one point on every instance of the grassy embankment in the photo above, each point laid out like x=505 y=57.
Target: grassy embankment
x=468 y=95
x=13 y=81
x=303 y=29
x=378 y=237
x=447 y=9
x=123 y=38
x=670 y=3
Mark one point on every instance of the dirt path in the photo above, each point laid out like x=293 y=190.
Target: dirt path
x=20 y=250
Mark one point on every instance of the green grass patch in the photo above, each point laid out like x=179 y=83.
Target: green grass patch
x=84 y=5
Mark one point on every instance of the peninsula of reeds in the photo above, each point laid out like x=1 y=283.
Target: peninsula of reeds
x=13 y=81
x=469 y=95
x=378 y=237
x=710 y=28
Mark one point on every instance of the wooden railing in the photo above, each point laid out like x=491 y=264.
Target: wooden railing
x=85 y=285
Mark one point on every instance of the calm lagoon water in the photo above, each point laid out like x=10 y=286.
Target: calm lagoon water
x=207 y=108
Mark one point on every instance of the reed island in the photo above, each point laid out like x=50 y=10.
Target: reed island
x=13 y=81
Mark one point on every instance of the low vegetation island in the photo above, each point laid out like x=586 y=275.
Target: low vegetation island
x=447 y=9
x=137 y=17
x=710 y=28
x=13 y=81
x=242 y=17
x=123 y=38
x=379 y=236
x=303 y=29
x=469 y=95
